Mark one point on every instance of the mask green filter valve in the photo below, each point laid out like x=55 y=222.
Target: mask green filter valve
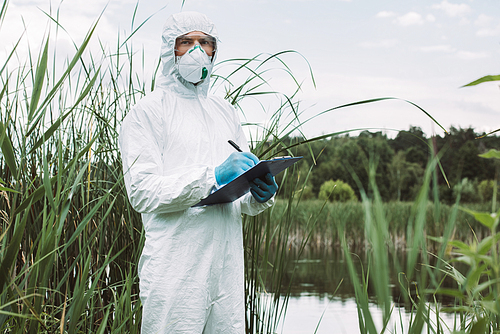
x=204 y=73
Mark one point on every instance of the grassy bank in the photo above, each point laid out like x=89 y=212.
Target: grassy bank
x=321 y=220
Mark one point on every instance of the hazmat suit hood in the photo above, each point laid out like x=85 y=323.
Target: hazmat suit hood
x=177 y=25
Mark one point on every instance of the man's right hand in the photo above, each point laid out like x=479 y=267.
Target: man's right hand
x=236 y=164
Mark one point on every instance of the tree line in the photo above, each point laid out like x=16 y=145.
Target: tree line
x=399 y=164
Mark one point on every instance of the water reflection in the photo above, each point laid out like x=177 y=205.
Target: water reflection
x=322 y=295
x=308 y=314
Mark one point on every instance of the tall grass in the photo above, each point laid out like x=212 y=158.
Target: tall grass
x=69 y=238
x=325 y=235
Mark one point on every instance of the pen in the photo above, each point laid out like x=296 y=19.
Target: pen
x=233 y=144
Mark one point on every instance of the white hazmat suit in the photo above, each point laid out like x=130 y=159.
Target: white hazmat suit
x=191 y=268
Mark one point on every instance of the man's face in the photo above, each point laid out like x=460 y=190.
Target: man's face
x=187 y=41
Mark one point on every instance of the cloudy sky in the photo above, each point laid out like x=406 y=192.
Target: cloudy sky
x=422 y=51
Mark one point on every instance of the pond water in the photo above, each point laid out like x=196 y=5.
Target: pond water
x=322 y=300
x=308 y=314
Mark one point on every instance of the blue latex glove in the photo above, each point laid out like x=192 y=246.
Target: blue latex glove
x=235 y=165
x=263 y=190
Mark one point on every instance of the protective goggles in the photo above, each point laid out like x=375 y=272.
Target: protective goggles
x=186 y=42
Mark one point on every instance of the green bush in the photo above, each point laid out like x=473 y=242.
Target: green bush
x=485 y=190
x=467 y=190
x=336 y=191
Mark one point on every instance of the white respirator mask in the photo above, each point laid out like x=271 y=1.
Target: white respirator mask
x=195 y=65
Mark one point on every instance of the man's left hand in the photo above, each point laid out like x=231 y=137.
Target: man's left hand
x=263 y=190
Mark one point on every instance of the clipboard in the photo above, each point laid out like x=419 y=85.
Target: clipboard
x=241 y=185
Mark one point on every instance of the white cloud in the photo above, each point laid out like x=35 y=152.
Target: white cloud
x=483 y=20
x=469 y=55
x=460 y=54
x=430 y=18
x=452 y=9
x=486 y=26
x=437 y=48
x=385 y=14
x=409 y=19
x=485 y=32
x=464 y=21
x=386 y=43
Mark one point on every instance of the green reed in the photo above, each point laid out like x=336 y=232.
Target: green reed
x=69 y=240
x=329 y=215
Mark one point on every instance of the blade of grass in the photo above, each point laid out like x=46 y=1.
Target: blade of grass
x=76 y=58
x=41 y=70
x=8 y=151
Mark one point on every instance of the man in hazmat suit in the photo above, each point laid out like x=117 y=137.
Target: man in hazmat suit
x=175 y=151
